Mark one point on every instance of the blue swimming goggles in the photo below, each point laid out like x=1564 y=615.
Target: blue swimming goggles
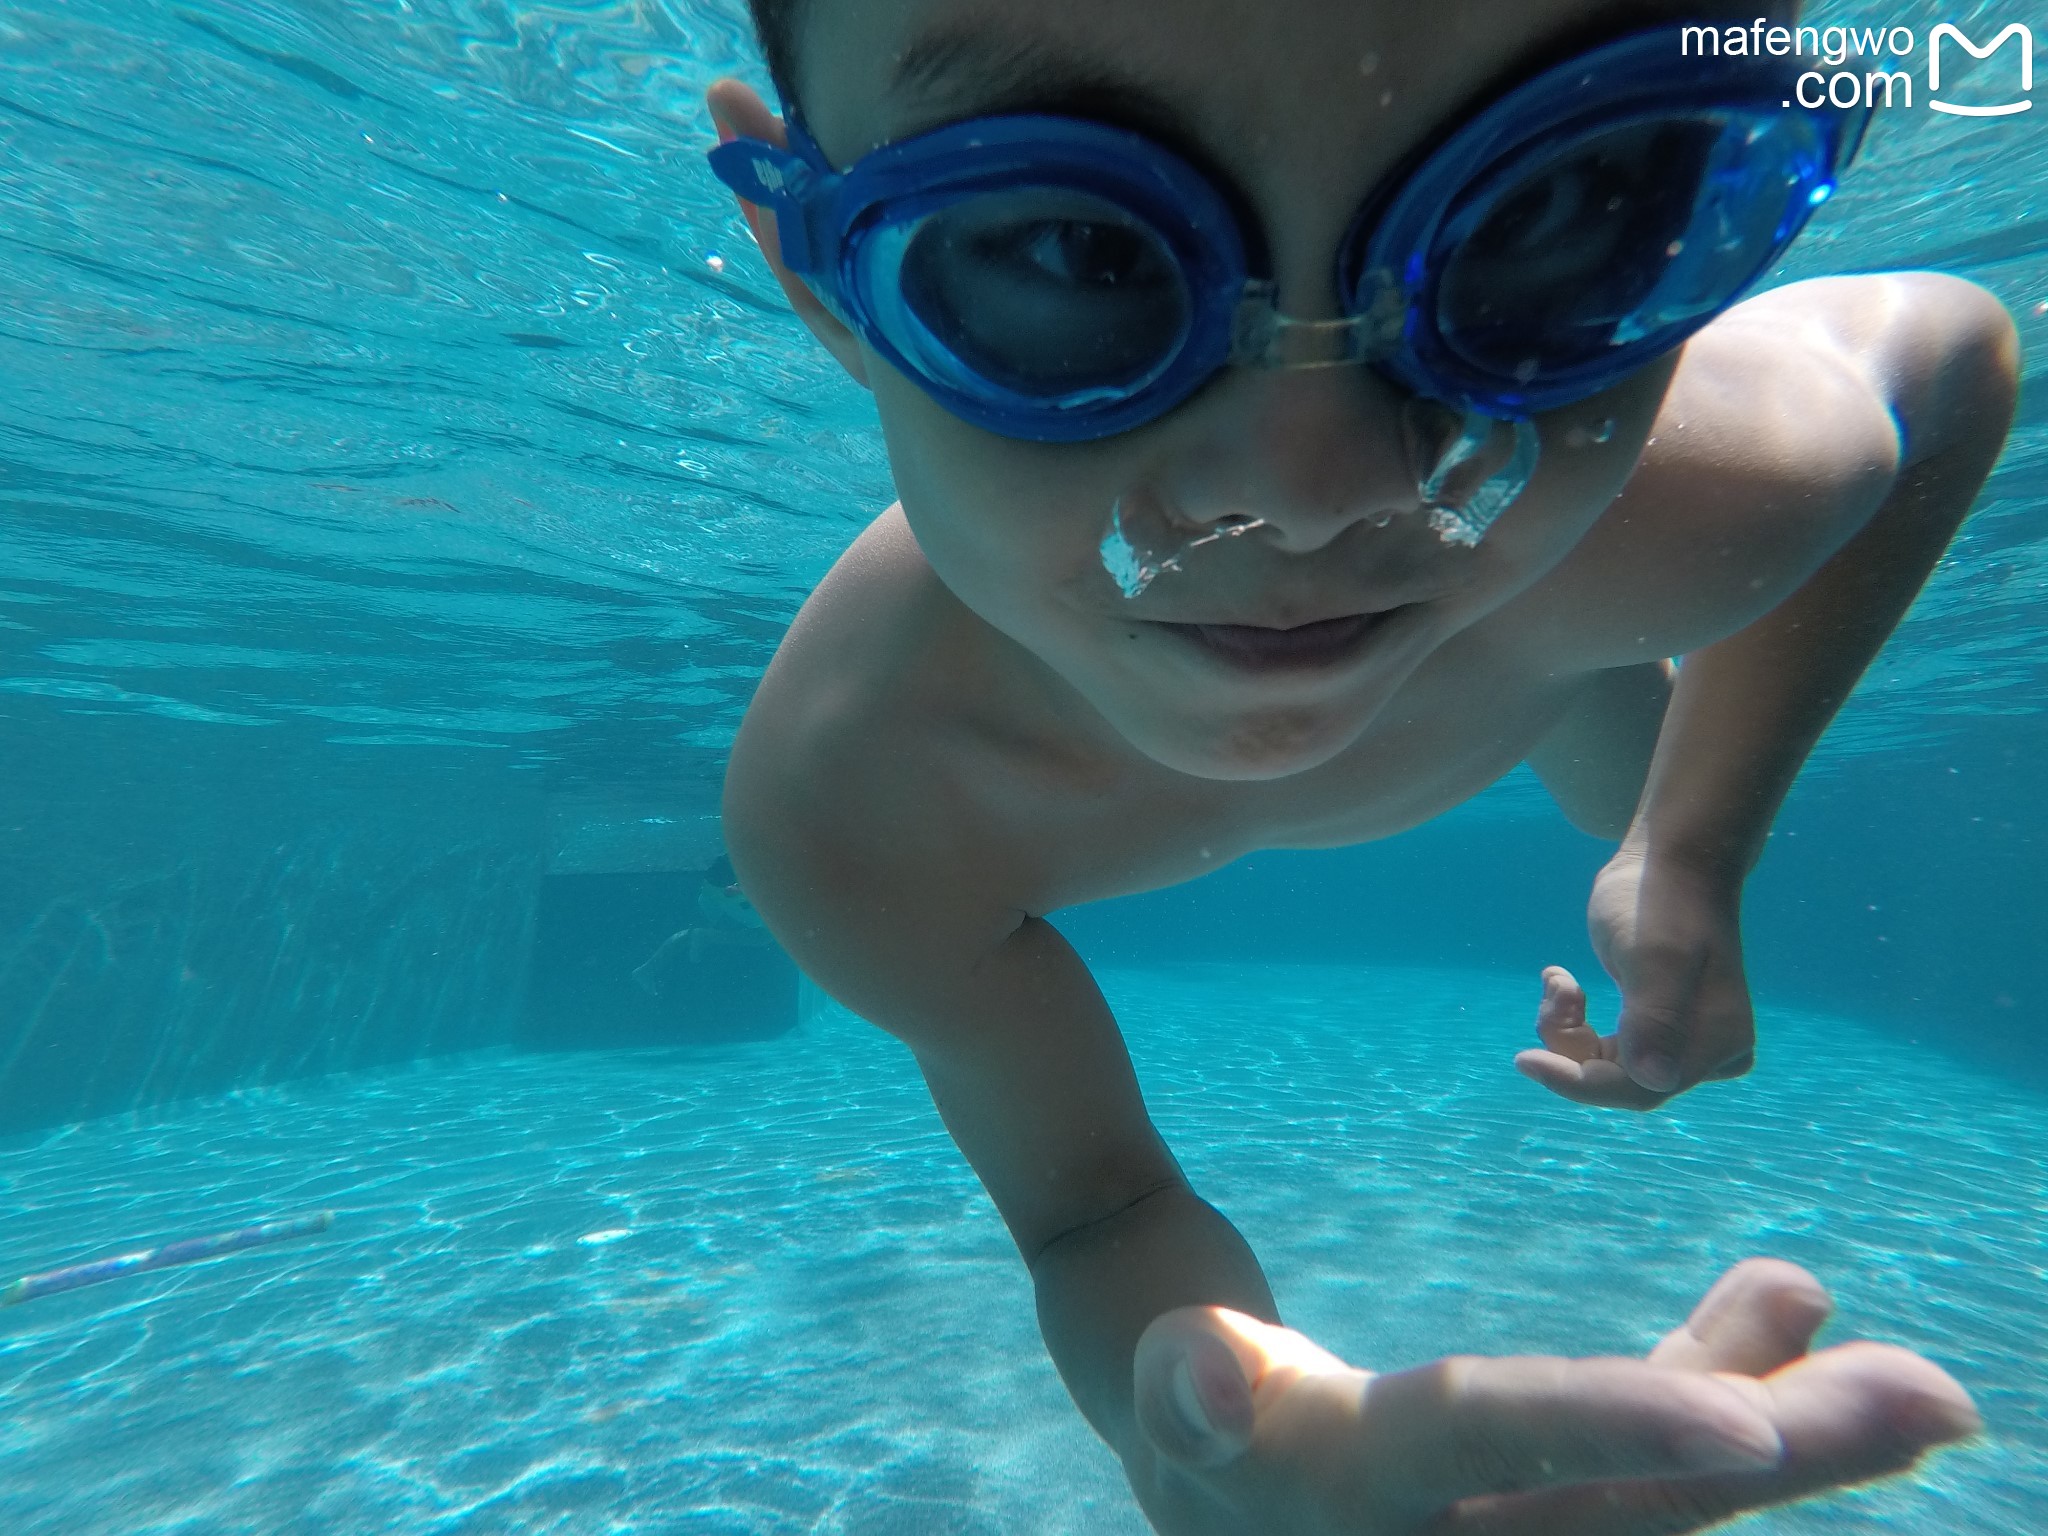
x=1059 y=280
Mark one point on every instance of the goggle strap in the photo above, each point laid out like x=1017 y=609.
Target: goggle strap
x=782 y=183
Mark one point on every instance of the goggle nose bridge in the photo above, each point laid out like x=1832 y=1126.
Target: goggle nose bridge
x=1261 y=336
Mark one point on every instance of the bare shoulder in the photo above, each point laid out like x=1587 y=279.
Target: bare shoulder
x=1839 y=380
x=1929 y=344
x=877 y=810
x=855 y=809
x=1785 y=425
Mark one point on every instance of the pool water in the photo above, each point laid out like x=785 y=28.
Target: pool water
x=755 y=1290
x=407 y=468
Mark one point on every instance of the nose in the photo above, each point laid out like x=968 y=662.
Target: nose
x=1310 y=451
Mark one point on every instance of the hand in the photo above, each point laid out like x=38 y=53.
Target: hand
x=1258 y=1432
x=1671 y=937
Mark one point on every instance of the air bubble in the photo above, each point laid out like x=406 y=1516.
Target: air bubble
x=1137 y=550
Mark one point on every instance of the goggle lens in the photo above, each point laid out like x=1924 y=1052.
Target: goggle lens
x=1562 y=266
x=1057 y=280
x=1620 y=242
x=1048 y=293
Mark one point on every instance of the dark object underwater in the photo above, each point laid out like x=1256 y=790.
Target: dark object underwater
x=186 y=1251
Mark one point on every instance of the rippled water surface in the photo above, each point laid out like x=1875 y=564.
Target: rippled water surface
x=365 y=365
x=391 y=330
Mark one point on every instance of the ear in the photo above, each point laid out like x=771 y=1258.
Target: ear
x=740 y=113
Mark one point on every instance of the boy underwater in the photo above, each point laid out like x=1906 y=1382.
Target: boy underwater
x=1303 y=413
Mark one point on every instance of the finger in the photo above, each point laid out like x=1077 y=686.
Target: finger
x=1846 y=1416
x=1759 y=1317
x=1600 y=1083
x=1464 y=1427
x=1561 y=1016
x=1199 y=1372
x=1192 y=1399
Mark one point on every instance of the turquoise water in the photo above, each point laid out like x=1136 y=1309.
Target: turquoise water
x=803 y=1315
x=406 y=470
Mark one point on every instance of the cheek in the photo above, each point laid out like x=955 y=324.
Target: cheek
x=1589 y=451
x=1008 y=526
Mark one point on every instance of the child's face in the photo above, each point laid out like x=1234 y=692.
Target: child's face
x=1305 y=106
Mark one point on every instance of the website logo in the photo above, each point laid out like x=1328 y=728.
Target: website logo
x=1885 y=47
x=1949 y=31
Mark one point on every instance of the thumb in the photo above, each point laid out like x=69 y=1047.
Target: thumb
x=1656 y=1023
x=1192 y=1400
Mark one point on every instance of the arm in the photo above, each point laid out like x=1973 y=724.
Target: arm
x=884 y=904
x=1904 y=388
x=1047 y=1110
x=1748 y=710
x=1150 y=1302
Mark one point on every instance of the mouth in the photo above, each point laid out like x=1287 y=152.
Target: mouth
x=1321 y=646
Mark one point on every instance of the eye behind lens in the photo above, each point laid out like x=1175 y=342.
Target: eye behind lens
x=1606 y=250
x=1041 y=292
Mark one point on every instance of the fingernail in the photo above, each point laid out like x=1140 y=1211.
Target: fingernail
x=1729 y=1449
x=1202 y=1392
x=1656 y=1072
x=1187 y=1401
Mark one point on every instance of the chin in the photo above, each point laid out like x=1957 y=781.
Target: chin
x=1226 y=718
x=1274 y=743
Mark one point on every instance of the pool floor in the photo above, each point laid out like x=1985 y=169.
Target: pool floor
x=755 y=1289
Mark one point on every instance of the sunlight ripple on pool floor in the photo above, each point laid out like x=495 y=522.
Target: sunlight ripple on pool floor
x=755 y=1290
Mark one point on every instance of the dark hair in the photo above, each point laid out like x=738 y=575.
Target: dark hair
x=775 y=23
x=720 y=873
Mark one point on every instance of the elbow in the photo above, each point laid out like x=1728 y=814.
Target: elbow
x=1985 y=368
x=1957 y=390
